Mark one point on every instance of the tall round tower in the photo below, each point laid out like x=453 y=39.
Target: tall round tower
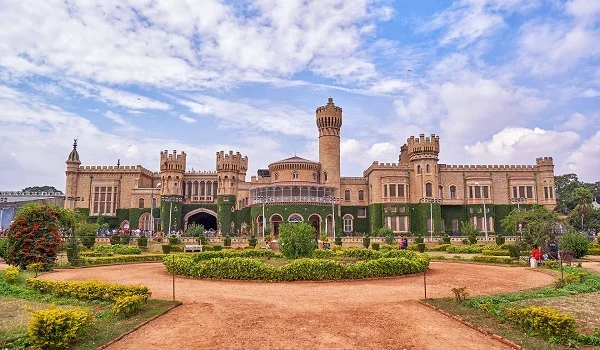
x=73 y=164
x=422 y=154
x=329 y=122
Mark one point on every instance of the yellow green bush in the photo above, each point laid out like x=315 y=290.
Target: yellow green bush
x=55 y=328
x=11 y=274
x=127 y=305
x=122 y=259
x=89 y=290
x=543 y=320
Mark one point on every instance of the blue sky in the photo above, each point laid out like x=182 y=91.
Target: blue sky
x=501 y=81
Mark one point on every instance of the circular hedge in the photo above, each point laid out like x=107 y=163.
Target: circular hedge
x=243 y=265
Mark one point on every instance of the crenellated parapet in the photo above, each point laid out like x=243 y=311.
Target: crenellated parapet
x=172 y=161
x=232 y=162
x=486 y=167
x=116 y=169
x=329 y=119
x=423 y=147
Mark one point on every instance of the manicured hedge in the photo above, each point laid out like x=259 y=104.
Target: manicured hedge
x=55 y=328
x=230 y=253
x=471 y=249
x=593 y=251
x=122 y=259
x=494 y=252
x=492 y=259
x=398 y=263
x=89 y=290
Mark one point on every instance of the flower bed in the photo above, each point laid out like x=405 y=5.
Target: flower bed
x=243 y=268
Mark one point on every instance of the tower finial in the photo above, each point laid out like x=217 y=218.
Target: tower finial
x=330 y=100
x=74 y=143
x=118 y=163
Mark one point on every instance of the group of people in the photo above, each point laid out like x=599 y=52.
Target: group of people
x=402 y=242
x=552 y=252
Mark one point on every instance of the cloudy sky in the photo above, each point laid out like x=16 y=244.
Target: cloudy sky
x=501 y=81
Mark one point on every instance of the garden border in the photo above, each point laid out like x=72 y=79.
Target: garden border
x=478 y=329
x=138 y=327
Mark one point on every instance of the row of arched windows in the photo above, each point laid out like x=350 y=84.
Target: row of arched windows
x=142 y=203
x=427 y=169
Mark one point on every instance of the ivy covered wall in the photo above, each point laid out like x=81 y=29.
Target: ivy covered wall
x=285 y=210
x=361 y=225
x=176 y=214
x=375 y=216
x=420 y=213
x=226 y=213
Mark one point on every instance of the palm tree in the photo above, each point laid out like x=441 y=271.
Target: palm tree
x=583 y=197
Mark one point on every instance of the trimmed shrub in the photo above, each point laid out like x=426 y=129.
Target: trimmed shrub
x=494 y=252
x=338 y=240
x=125 y=239
x=56 y=328
x=11 y=274
x=323 y=254
x=201 y=239
x=514 y=251
x=128 y=305
x=312 y=270
x=579 y=244
x=207 y=248
x=217 y=248
x=252 y=242
x=142 y=241
x=166 y=249
x=87 y=290
x=297 y=240
x=3 y=248
x=543 y=320
x=593 y=251
x=109 y=250
x=250 y=253
x=375 y=246
x=440 y=248
x=492 y=259
x=500 y=239
x=387 y=234
x=115 y=239
x=366 y=241
x=465 y=241
x=122 y=259
x=419 y=239
x=421 y=247
x=361 y=253
x=174 y=240
x=227 y=241
x=446 y=239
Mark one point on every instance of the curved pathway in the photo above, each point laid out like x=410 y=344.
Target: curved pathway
x=368 y=314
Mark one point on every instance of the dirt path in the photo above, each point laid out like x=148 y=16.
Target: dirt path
x=373 y=314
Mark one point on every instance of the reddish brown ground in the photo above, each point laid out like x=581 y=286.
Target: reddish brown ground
x=371 y=314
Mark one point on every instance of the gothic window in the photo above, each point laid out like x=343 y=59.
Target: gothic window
x=452 y=192
x=428 y=190
x=348 y=223
x=485 y=191
x=454 y=225
x=441 y=191
x=295 y=218
x=385 y=192
x=546 y=194
x=153 y=202
x=145 y=222
x=529 y=191
x=361 y=195
x=403 y=224
x=141 y=203
x=419 y=169
x=315 y=176
x=347 y=195
x=392 y=190
x=427 y=169
x=195 y=188
x=276 y=176
x=325 y=176
x=294 y=175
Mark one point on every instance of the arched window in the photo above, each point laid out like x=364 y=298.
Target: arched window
x=441 y=191
x=315 y=176
x=428 y=190
x=295 y=218
x=141 y=203
x=325 y=176
x=452 y=192
x=348 y=223
x=276 y=176
x=427 y=169
x=361 y=195
x=419 y=169
x=347 y=195
x=145 y=222
x=153 y=202
x=294 y=174
x=454 y=225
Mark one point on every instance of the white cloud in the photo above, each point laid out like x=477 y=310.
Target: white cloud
x=187 y=119
x=590 y=93
x=585 y=161
x=585 y=10
x=115 y=118
x=576 y=122
x=522 y=145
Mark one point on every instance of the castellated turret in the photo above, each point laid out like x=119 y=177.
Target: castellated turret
x=73 y=164
x=329 y=123
x=231 y=169
x=172 y=168
x=423 y=155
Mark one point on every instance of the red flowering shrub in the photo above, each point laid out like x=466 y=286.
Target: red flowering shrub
x=34 y=235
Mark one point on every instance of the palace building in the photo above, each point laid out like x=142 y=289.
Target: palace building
x=403 y=196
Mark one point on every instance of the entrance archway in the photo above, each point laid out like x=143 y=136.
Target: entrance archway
x=201 y=216
x=315 y=221
x=275 y=221
x=329 y=225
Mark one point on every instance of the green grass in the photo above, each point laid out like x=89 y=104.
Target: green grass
x=16 y=300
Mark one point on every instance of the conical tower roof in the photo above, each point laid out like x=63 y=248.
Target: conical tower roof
x=74 y=156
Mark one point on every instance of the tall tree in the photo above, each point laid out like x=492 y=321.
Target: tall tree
x=536 y=224
x=41 y=189
x=583 y=196
x=565 y=189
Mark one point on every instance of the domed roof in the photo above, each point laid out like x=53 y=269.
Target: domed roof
x=295 y=159
x=74 y=155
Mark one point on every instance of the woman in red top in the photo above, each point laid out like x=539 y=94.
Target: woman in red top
x=536 y=253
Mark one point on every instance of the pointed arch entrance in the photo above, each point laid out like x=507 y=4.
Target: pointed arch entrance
x=275 y=221
x=201 y=216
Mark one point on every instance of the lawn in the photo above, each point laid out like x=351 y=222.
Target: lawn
x=17 y=302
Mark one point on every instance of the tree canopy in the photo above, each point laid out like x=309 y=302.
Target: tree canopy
x=566 y=186
x=41 y=189
x=537 y=224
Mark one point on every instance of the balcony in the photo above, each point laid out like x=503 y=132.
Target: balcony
x=292 y=194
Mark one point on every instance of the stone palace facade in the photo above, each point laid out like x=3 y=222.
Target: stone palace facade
x=402 y=196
